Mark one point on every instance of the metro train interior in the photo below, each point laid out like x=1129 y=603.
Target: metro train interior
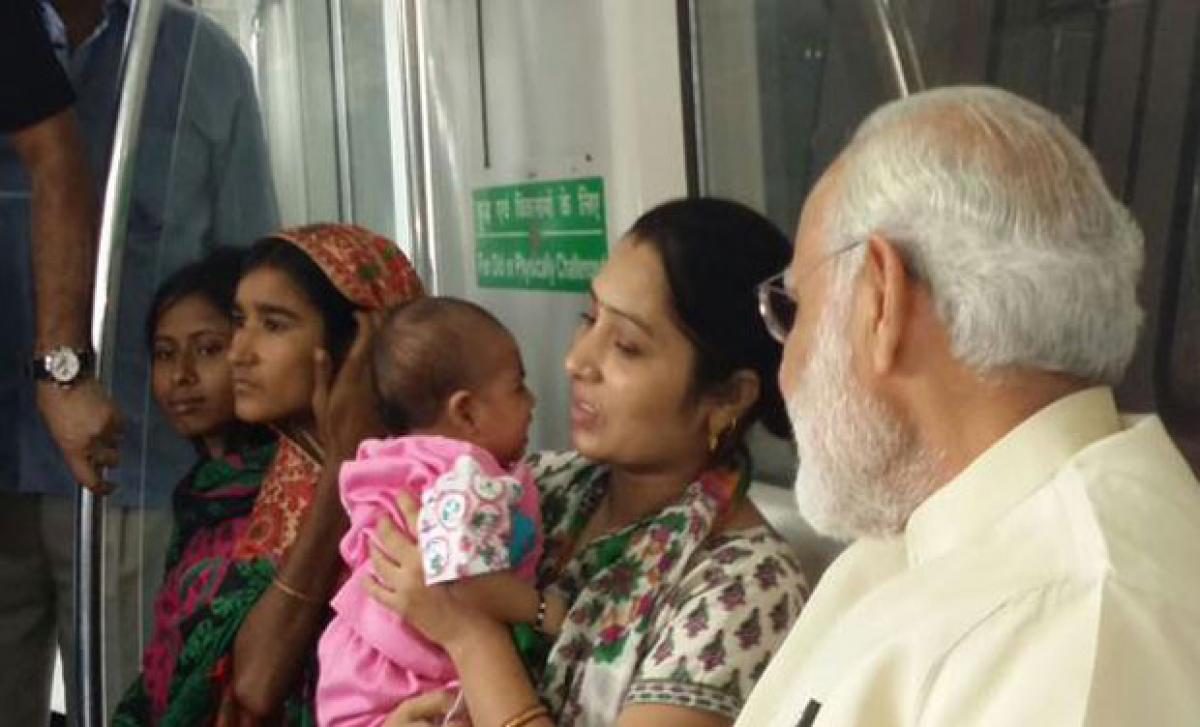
x=423 y=119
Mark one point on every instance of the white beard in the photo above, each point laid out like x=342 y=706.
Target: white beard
x=862 y=473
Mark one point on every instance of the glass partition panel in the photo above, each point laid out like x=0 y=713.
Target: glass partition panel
x=260 y=115
x=254 y=118
x=202 y=179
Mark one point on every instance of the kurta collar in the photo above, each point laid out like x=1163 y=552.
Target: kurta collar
x=1009 y=471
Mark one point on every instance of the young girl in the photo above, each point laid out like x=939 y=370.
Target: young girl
x=450 y=380
x=188 y=331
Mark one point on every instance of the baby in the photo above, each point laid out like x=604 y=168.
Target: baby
x=453 y=395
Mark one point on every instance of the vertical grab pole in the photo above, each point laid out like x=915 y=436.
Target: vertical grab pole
x=693 y=96
x=87 y=701
x=417 y=131
x=341 y=111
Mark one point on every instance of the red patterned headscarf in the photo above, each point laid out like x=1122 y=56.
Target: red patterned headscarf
x=369 y=269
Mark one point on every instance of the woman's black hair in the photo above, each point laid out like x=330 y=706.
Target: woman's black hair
x=213 y=277
x=336 y=310
x=715 y=253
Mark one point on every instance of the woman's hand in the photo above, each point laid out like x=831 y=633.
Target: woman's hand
x=399 y=584
x=494 y=682
x=345 y=406
x=427 y=710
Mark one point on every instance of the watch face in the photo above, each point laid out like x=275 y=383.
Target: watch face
x=63 y=365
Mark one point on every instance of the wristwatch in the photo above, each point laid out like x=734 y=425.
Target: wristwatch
x=63 y=365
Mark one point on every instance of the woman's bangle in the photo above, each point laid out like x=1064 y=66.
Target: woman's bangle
x=529 y=715
x=539 y=621
x=297 y=594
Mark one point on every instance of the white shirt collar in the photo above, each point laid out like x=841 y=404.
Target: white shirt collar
x=1009 y=471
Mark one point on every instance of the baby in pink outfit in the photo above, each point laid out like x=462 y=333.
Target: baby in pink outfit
x=451 y=382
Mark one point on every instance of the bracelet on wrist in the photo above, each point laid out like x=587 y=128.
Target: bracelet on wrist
x=529 y=715
x=296 y=593
x=539 y=621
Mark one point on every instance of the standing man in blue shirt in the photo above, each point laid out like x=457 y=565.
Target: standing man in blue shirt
x=37 y=118
x=201 y=179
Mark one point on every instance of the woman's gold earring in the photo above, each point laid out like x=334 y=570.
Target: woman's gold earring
x=727 y=434
x=716 y=435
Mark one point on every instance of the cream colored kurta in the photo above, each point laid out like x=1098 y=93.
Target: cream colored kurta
x=1055 y=581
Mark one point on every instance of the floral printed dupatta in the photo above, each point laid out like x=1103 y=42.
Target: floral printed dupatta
x=615 y=584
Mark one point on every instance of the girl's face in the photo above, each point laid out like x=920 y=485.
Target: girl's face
x=277 y=330
x=631 y=369
x=190 y=373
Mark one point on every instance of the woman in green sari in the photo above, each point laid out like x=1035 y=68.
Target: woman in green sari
x=189 y=330
x=239 y=615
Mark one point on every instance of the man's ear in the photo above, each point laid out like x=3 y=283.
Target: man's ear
x=888 y=294
x=461 y=413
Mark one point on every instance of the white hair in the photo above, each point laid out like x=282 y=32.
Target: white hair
x=1031 y=262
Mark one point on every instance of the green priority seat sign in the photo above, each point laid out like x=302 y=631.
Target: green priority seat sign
x=549 y=236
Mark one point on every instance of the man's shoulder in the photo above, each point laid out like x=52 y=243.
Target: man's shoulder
x=1131 y=509
x=1113 y=537
x=1071 y=651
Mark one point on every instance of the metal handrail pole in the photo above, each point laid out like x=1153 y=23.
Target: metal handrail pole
x=87 y=701
x=341 y=111
x=889 y=21
x=696 y=66
x=417 y=128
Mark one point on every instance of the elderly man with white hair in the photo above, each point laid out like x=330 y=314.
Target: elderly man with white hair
x=961 y=298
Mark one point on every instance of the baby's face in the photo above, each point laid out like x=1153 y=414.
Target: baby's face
x=506 y=404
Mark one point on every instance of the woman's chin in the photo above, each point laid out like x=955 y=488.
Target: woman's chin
x=252 y=414
x=586 y=443
x=193 y=430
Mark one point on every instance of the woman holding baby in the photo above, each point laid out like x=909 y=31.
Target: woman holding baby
x=675 y=592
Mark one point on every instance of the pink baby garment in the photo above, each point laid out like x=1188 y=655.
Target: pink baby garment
x=475 y=518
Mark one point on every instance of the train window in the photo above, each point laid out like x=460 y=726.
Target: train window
x=1180 y=340
x=777 y=86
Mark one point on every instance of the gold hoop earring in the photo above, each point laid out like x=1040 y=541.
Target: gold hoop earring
x=715 y=437
x=728 y=433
